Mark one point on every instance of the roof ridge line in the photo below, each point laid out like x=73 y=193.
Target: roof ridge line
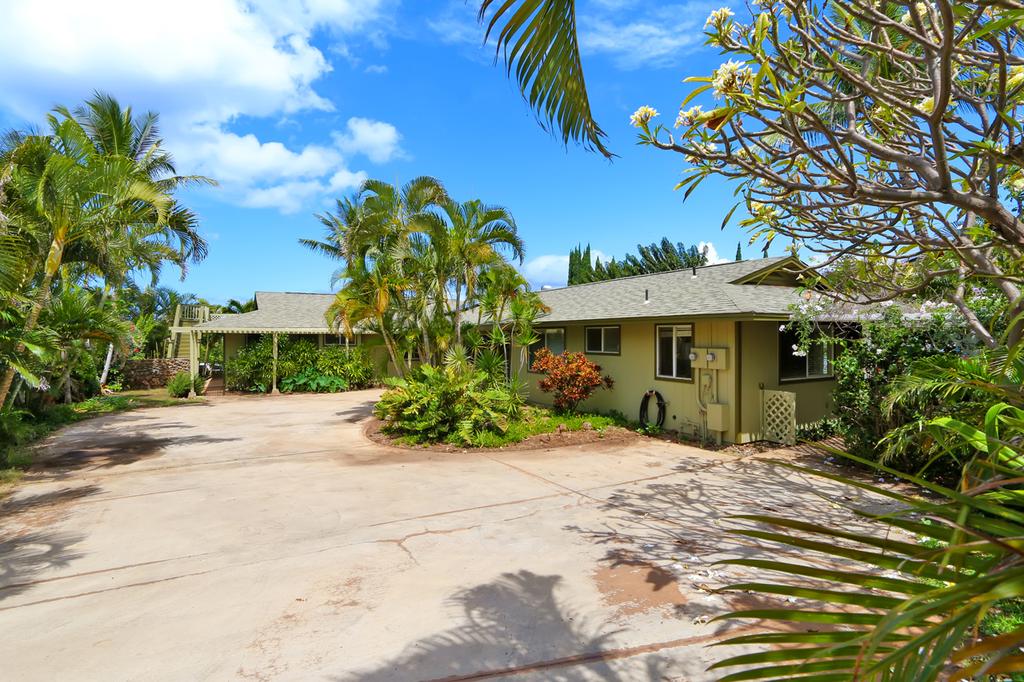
x=665 y=272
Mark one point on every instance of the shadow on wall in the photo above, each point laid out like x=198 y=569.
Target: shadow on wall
x=513 y=625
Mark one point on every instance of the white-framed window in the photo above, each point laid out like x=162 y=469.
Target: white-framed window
x=603 y=340
x=797 y=365
x=552 y=338
x=339 y=339
x=674 y=345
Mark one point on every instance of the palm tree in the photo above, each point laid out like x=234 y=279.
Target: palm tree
x=472 y=238
x=71 y=316
x=234 y=306
x=67 y=194
x=135 y=240
x=367 y=296
x=345 y=229
x=375 y=233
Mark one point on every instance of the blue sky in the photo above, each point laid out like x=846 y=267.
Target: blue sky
x=291 y=104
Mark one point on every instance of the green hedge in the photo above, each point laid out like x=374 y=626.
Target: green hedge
x=301 y=365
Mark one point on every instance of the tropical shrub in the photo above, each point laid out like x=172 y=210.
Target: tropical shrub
x=310 y=380
x=448 y=404
x=252 y=368
x=944 y=605
x=818 y=430
x=353 y=365
x=868 y=365
x=179 y=384
x=571 y=377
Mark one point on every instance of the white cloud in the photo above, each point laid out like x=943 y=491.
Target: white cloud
x=548 y=270
x=552 y=269
x=656 y=37
x=377 y=140
x=631 y=33
x=457 y=24
x=206 y=64
x=713 y=257
x=376 y=68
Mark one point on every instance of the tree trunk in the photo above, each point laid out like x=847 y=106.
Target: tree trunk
x=106 y=365
x=110 y=346
x=66 y=356
x=53 y=260
x=457 y=314
x=427 y=353
x=392 y=351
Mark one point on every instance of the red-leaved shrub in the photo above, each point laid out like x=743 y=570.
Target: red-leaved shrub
x=570 y=376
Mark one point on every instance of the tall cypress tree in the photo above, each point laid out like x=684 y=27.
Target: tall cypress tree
x=587 y=266
x=739 y=252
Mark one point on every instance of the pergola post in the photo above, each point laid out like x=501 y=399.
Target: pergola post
x=193 y=363
x=274 y=390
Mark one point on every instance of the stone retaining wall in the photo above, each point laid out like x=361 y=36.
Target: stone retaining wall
x=152 y=373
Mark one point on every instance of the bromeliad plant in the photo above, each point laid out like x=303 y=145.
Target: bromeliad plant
x=892 y=609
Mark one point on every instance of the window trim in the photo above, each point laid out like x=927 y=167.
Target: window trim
x=830 y=349
x=544 y=339
x=657 y=351
x=343 y=340
x=602 y=327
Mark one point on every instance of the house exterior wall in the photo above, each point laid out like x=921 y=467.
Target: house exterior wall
x=232 y=344
x=759 y=353
x=752 y=352
x=633 y=370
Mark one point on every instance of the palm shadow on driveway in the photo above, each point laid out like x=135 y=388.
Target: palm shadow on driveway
x=512 y=625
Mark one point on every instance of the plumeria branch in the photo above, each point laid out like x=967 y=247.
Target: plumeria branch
x=884 y=136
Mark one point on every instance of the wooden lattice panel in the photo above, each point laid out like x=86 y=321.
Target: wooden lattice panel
x=778 y=416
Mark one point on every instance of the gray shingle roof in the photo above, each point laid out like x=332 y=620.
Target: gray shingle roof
x=713 y=291
x=281 y=311
x=674 y=294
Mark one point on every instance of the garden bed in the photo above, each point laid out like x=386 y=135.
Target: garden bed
x=539 y=429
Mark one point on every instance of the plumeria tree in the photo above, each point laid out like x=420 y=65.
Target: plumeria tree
x=882 y=137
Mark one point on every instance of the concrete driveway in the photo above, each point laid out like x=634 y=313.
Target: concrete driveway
x=266 y=538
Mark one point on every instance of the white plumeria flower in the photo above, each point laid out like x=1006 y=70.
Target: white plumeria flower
x=642 y=116
x=719 y=16
x=730 y=78
x=688 y=117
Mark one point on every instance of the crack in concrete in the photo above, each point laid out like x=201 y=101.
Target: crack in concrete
x=400 y=542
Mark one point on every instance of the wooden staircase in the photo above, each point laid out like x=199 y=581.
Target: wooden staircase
x=185 y=316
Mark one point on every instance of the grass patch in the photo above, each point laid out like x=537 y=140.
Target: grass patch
x=535 y=421
x=20 y=429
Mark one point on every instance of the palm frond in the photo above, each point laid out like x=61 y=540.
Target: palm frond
x=538 y=40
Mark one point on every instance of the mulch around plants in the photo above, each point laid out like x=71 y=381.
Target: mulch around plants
x=612 y=435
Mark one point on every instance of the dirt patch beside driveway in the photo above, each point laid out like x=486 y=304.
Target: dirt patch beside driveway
x=266 y=538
